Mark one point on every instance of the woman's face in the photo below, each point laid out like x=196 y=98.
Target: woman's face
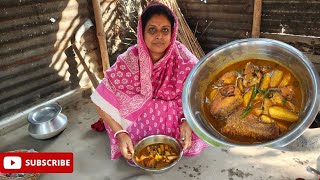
x=157 y=35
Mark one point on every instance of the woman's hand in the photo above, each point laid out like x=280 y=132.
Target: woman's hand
x=125 y=145
x=185 y=134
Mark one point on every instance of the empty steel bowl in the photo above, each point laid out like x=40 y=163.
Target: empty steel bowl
x=154 y=139
x=46 y=121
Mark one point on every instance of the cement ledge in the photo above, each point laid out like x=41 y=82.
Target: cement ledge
x=18 y=120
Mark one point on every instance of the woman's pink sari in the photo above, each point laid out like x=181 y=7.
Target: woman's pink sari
x=145 y=98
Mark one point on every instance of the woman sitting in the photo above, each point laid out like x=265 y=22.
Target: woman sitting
x=141 y=93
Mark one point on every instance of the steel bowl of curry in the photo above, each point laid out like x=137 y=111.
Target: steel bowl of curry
x=251 y=92
x=157 y=153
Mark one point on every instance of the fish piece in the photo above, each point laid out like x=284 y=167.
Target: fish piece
x=222 y=106
x=287 y=92
x=228 y=78
x=277 y=99
x=250 y=127
x=227 y=90
x=252 y=75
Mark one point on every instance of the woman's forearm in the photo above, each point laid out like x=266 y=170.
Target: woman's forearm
x=115 y=126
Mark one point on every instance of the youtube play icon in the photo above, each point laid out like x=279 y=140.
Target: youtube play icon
x=12 y=162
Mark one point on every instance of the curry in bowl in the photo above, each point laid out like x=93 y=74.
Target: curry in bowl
x=156 y=156
x=253 y=101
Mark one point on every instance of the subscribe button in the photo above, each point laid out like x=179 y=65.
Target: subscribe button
x=36 y=162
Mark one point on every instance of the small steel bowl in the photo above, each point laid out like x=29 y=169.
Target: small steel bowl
x=46 y=121
x=154 y=139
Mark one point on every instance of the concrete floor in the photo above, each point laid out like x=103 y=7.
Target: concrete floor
x=92 y=154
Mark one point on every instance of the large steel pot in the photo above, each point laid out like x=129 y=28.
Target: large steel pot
x=290 y=57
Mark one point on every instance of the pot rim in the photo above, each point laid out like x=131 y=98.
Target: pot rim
x=52 y=105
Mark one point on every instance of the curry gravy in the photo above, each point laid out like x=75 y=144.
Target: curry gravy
x=259 y=111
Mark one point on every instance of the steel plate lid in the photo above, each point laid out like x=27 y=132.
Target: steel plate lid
x=44 y=113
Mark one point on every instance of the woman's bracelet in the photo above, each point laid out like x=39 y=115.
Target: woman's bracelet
x=120 y=131
x=182 y=119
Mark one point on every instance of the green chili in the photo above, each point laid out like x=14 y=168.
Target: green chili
x=284 y=100
x=249 y=107
x=240 y=71
x=265 y=93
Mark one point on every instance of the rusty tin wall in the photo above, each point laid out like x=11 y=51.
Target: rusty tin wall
x=120 y=24
x=33 y=36
x=216 y=22
x=294 y=22
x=299 y=17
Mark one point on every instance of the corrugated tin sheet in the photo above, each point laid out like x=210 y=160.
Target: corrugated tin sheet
x=296 y=22
x=120 y=24
x=33 y=36
x=216 y=22
x=298 y=17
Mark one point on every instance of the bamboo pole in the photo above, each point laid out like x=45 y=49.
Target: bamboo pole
x=101 y=35
x=256 y=19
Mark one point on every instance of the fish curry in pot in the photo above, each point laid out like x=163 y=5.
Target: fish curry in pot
x=253 y=101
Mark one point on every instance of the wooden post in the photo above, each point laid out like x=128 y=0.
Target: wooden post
x=256 y=19
x=92 y=78
x=101 y=35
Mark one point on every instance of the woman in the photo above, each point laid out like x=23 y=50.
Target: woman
x=141 y=93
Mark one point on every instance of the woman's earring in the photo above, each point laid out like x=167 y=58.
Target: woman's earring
x=182 y=138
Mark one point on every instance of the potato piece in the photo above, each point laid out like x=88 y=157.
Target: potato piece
x=246 y=97
x=142 y=157
x=172 y=157
x=213 y=94
x=257 y=111
x=266 y=104
x=167 y=153
x=240 y=84
x=265 y=82
x=259 y=97
x=282 y=127
x=158 y=157
x=162 y=147
x=276 y=78
x=282 y=113
x=266 y=119
x=138 y=159
x=286 y=80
